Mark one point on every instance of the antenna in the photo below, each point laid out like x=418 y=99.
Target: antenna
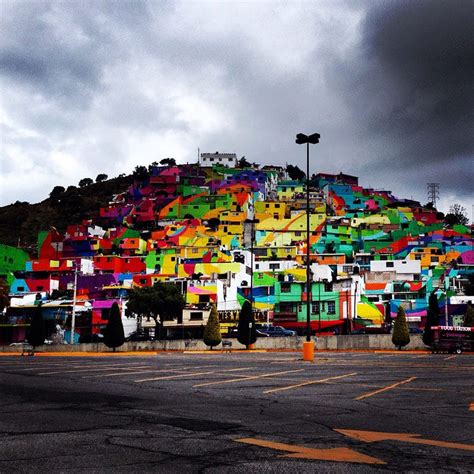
x=433 y=193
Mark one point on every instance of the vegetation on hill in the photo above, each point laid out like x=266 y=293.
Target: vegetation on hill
x=20 y=222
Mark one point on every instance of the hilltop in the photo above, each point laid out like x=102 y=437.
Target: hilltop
x=20 y=222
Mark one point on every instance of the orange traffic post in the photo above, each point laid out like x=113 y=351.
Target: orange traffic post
x=308 y=351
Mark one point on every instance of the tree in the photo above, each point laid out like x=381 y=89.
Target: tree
x=114 y=336
x=456 y=215
x=140 y=173
x=101 y=177
x=213 y=223
x=212 y=332
x=243 y=163
x=469 y=316
x=246 y=331
x=401 y=335
x=37 y=330
x=56 y=192
x=432 y=319
x=161 y=302
x=168 y=162
x=330 y=247
x=85 y=182
x=295 y=173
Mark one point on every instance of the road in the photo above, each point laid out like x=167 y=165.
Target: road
x=238 y=412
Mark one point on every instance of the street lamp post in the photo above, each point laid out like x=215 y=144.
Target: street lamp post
x=73 y=316
x=308 y=347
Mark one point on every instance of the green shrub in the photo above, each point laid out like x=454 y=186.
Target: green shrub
x=401 y=335
x=114 y=335
x=212 y=332
x=246 y=332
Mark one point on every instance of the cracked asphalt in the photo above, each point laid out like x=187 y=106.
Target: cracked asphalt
x=174 y=412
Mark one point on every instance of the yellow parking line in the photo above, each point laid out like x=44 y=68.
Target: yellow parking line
x=174 y=371
x=310 y=382
x=190 y=374
x=93 y=370
x=384 y=389
x=252 y=377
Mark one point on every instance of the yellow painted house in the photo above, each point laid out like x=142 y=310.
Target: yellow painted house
x=287 y=190
x=432 y=256
x=269 y=209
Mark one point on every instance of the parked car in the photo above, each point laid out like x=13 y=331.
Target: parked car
x=359 y=331
x=232 y=332
x=138 y=337
x=415 y=331
x=276 y=331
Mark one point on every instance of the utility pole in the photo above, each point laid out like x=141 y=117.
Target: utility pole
x=73 y=317
x=433 y=193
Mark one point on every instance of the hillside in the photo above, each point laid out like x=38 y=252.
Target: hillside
x=21 y=221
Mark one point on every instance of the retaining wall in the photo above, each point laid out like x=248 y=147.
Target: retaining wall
x=369 y=342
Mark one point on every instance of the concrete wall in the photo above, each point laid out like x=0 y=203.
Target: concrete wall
x=353 y=342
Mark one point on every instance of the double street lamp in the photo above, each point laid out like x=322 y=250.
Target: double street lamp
x=308 y=347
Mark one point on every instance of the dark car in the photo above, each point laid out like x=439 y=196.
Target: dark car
x=359 y=331
x=415 y=331
x=138 y=337
x=276 y=331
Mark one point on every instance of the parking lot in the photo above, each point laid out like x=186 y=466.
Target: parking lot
x=232 y=412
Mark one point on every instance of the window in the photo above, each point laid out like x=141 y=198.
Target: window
x=195 y=315
x=389 y=264
x=274 y=266
x=277 y=206
x=315 y=307
x=285 y=287
x=331 y=307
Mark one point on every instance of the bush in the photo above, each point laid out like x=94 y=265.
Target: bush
x=401 y=335
x=212 y=332
x=246 y=331
x=85 y=182
x=432 y=319
x=37 y=330
x=114 y=335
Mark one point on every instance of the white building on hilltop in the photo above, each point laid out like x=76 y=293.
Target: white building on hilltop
x=223 y=159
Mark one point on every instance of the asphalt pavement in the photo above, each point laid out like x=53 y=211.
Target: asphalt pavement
x=238 y=412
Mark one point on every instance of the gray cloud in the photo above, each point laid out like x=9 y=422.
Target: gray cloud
x=104 y=86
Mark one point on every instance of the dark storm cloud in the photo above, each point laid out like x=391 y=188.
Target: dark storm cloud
x=409 y=86
x=110 y=85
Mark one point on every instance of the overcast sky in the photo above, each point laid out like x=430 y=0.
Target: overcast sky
x=100 y=87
